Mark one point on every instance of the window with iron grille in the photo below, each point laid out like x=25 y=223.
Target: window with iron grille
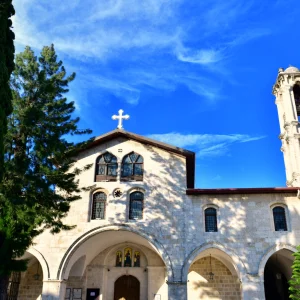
x=99 y=203
x=132 y=167
x=211 y=220
x=279 y=218
x=136 y=206
x=106 y=167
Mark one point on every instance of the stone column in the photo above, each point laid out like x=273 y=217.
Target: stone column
x=177 y=290
x=53 y=289
x=253 y=288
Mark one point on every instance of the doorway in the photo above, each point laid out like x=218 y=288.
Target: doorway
x=127 y=287
x=277 y=273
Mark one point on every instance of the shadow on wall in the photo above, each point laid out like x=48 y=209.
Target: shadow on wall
x=223 y=285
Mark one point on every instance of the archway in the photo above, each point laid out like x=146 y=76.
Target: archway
x=31 y=283
x=212 y=273
x=127 y=287
x=277 y=273
x=100 y=238
x=102 y=256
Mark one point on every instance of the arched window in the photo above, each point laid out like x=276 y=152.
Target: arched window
x=99 y=203
x=279 y=219
x=296 y=91
x=136 y=206
x=211 y=220
x=106 y=167
x=132 y=167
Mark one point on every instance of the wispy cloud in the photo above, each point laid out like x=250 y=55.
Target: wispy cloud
x=202 y=56
x=165 y=43
x=205 y=144
x=108 y=28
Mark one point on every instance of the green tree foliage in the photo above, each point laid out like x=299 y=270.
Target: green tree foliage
x=39 y=179
x=295 y=281
x=7 y=51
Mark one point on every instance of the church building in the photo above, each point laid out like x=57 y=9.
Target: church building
x=145 y=232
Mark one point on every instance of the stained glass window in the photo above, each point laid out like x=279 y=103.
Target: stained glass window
x=136 y=206
x=99 y=203
x=127 y=257
x=279 y=218
x=119 y=259
x=132 y=167
x=106 y=167
x=211 y=220
x=137 y=259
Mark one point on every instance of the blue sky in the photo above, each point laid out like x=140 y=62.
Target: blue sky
x=195 y=74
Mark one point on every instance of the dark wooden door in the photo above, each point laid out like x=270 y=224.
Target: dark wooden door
x=127 y=287
x=92 y=294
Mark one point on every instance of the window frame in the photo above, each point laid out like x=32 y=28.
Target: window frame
x=106 y=177
x=133 y=176
x=142 y=205
x=286 y=216
x=92 y=205
x=216 y=218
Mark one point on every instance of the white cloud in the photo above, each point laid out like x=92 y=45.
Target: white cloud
x=202 y=56
x=205 y=144
x=158 y=39
x=104 y=29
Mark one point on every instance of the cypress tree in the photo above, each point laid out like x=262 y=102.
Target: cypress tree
x=39 y=179
x=6 y=67
x=295 y=281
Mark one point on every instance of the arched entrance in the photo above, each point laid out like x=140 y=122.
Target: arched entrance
x=102 y=257
x=127 y=287
x=211 y=273
x=277 y=273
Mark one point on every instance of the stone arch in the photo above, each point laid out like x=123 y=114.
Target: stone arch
x=41 y=259
x=73 y=251
x=269 y=253
x=224 y=254
x=37 y=271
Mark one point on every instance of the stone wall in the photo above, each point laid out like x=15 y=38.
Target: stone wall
x=31 y=289
x=224 y=286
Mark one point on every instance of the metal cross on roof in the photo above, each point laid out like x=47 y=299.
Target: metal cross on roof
x=120 y=117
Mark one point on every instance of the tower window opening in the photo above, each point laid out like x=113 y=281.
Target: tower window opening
x=296 y=91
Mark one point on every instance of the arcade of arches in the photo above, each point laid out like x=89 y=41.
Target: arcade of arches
x=130 y=268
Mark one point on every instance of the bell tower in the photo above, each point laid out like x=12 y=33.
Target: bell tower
x=287 y=92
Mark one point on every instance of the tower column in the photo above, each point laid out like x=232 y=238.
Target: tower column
x=288 y=107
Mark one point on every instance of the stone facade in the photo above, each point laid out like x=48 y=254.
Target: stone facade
x=174 y=246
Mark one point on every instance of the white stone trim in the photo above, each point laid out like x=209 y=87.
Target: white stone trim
x=269 y=253
x=41 y=259
x=157 y=246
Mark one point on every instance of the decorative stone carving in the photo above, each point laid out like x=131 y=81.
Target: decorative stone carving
x=117 y=193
